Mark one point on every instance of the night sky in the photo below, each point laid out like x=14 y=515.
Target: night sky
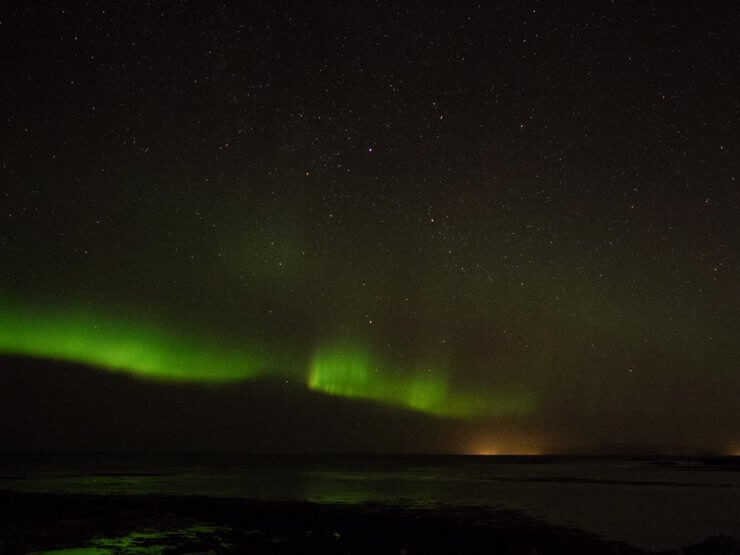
x=439 y=227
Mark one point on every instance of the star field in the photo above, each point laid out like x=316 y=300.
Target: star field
x=521 y=214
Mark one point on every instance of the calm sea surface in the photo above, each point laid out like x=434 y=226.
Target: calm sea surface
x=648 y=503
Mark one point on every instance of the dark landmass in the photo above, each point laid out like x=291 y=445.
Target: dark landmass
x=176 y=524
x=66 y=407
x=55 y=406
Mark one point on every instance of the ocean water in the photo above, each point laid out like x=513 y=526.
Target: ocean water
x=648 y=503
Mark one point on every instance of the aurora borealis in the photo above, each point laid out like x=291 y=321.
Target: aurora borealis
x=513 y=220
x=131 y=346
x=151 y=352
x=351 y=372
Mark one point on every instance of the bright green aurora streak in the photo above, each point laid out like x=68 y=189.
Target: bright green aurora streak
x=135 y=347
x=349 y=371
x=156 y=352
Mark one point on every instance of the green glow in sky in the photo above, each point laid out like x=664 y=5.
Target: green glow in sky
x=349 y=371
x=136 y=347
x=142 y=348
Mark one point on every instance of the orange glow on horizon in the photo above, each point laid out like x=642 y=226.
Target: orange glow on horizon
x=504 y=446
x=504 y=453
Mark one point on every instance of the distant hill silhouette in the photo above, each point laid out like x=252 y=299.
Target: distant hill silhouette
x=58 y=406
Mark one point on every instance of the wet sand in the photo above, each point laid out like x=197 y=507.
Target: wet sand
x=176 y=524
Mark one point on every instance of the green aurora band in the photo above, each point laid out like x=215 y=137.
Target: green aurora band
x=145 y=350
x=349 y=371
x=135 y=347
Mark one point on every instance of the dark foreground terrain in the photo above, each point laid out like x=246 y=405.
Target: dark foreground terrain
x=176 y=524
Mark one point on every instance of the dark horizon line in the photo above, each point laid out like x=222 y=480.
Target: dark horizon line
x=565 y=454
